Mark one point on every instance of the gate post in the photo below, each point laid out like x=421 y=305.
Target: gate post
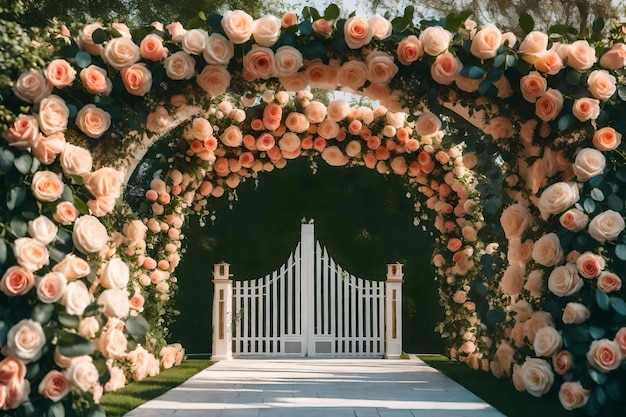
x=222 y=313
x=393 y=311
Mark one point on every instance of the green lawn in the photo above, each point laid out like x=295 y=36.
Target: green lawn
x=499 y=393
x=133 y=395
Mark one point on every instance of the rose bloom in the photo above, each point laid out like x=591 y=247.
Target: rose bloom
x=30 y=253
x=290 y=142
x=533 y=86
x=76 y=298
x=115 y=302
x=500 y=128
x=151 y=48
x=534 y=283
x=620 y=339
x=214 y=79
x=323 y=26
x=258 y=63
x=381 y=27
x=557 y=198
x=572 y=395
x=574 y=220
x=89 y=235
x=445 y=68
x=112 y=343
x=606 y=226
x=26 y=340
x=315 y=112
x=287 y=61
x=51 y=287
x=549 y=105
x=352 y=75
x=54 y=386
x=334 y=157
x=562 y=362
x=194 y=41
x=564 y=280
x=75 y=160
x=232 y=136
x=580 y=55
x=547 y=342
x=357 y=32
x=297 y=122
x=615 y=58
x=427 y=124
x=237 y=25
x=60 y=73
x=17 y=280
x=82 y=373
x=486 y=42
x=515 y=219
x=23 y=133
x=586 y=109
x=607 y=139
x=609 y=282
x=588 y=164
x=547 y=250
x=218 y=50
x=380 y=67
x=93 y=121
x=53 y=115
x=605 y=355
x=601 y=84
x=72 y=267
x=176 y=31
x=120 y=53
x=105 y=182
x=180 y=66
x=409 y=50
x=537 y=376
x=137 y=79
x=328 y=129
x=42 y=229
x=266 y=30
x=31 y=86
x=47 y=148
x=533 y=46
x=575 y=313
x=512 y=280
x=435 y=40
x=115 y=274
x=337 y=110
x=590 y=265
x=549 y=63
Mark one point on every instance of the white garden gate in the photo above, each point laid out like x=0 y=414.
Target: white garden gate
x=310 y=306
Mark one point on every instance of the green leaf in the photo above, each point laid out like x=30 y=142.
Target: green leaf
x=331 y=12
x=511 y=61
x=83 y=59
x=619 y=305
x=56 y=410
x=72 y=344
x=620 y=251
x=499 y=60
x=3 y=252
x=597 y=194
x=598 y=26
x=96 y=411
x=15 y=197
x=137 y=326
x=621 y=92
x=69 y=320
x=100 y=36
x=493 y=205
x=526 y=22
x=566 y=121
x=23 y=163
x=615 y=202
x=572 y=76
x=18 y=227
x=400 y=24
x=81 y=206
x=602 y=299
x=42 y=313
x=613 y=389
x=92 y=310
x=195 y=23
x=202 y=16
x=578 y=333
x=589 y=205
x=597 y=332
x=6 y=159
x=600 y=395
x=598 y=377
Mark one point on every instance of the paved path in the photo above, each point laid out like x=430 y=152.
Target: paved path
x=318 y=387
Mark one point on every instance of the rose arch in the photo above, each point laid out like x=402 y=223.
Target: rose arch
x=527 y=214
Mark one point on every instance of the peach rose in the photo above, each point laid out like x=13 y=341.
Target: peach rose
x=486 y=42
x=75 y=160
x=112 y=343
x=334 y=157
x=606 y=226
x=11 y=369
x=54 y=386
x=232 y=136
x=51 y=287
x=105 y=182
x=32 y=87
x=512 y=280
x=535 y=283
x=515 y=219
x=586 y=109
x=117 y=380
x=547 y=342
x=409 y=50
x=323 y=26
x=549 y=105
x=89 y=235
x=60 y=73
x=237 y=25
x=380 y=67
x=605 y=355
x=381 y=27
x=47 y=148
x=26 y=340
x=137 y=79
x=176 y=31
x=120 y=52
x=17 y=280
x=85 y=40
x=533 y=86
x=590 y=265
x=95 y=80
x=297 y=122
x=533 y=46
x=72 y=267
x=315 y=112
x=194 y=41
x=328 y=129
x=557 y=198
x=218 y=50
x=549 y=63
x=30 y=253
x=82 y=373
x=287 y=61
x=427 y=124
x=615 y=58
x=575 y=313
x=151 y=48
x=574 y=220
x=572 y=395
x=601 y=84
x=609 y=282
x=537 y=376
x=357 y=32
x=547 y=250
x=180 y=66
x=265 y=142
x=115 y=274
x=266 y=30
x=23 y=133
x=53 y=115
x=445 y=68
x=115 y=302
x=607 y=139
x=518 y=381
x=214 y=79
x=290 y=142
x=93 y=121
x=564 y=280
x=352 y=75
x=562 y=362
x=435 y=40
x=620 y=339
x=500 y=128
x=258 y=63
x=580 y=55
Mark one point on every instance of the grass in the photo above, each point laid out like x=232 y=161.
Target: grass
x=120 y=402
x=500 y=394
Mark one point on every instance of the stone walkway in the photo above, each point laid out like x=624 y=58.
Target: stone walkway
x=318 y=387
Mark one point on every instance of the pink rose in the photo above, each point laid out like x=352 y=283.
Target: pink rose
x=180 y=66
x=512 y=280
x=151 y=48
x=137 y=79
x=409 y=50
x=357 y=32
x=557 y=198
x=93 y=121
x=620 y=339
x=54 y=386
x=26 y=340
x=445 y=68
x=580 y=55
x=574 y=220
x=214 y=80
x=564 y=280
x=17 y=280
x=500 y=128
x=258 y=63
x=115 y=302
x=194 y=41
x=176 y=31
x=486 y=42
x=47 y=148
x=32 y=87
x=11 y=369
x=287 y=61
x=237 y=25
x=323 y=26
x=586 y=109
x=427 y=124
x=53 y=115
x=435 y=40
x=533 y=46
x=30 y=253
x=615 y=58
x=105 y=182
x=60 y=73
x=265 y=142
x=232 y=136
x=51 y=287
x=23 y=133
x=72 y=267
x=380 y=67
x=85 y=40
x=515 y=219
x=533 y=86
x=609 y=282
x=549 y=63
x=562 y=362
x=601 y=84
x=218 y=50
x=605 y=355
x=95 y=80
x=334 y=156
x=572 y=395
x=266 y=30
x=121 y=52
x=297 y=122
x=76 y=298
x=352 y=75
x=65 y=213
x=606 y=226
x=606 y=139
x=459 y=297
x=89 y=235
x=82 y=373
x=549 y=105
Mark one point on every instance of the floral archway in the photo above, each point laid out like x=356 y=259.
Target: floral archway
x=527 y=214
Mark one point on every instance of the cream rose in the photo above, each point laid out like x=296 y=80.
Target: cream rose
x=515 y=219
x=26 y=340
x=51 y=287
x=606 y=139
x=23 y=133
x=606 y=226
x=237 y=25
x=16 y=280
x=357 y=32
x=380 y=67
x=117 y=380
x=30 y=253
x=194 y=41
x=42 y=229
x=72 y=267
x=581 y=55
x=60 y=73
x=549 y=105
x=32 y=87
x=537 y=376
x=486 y=42
x=547 y=250
x=218 y=50
x=121 y=52
x=214 y=79
x=512 y=280
x=93 y=121
x=89 y=235
x=588 y=164
x=75 y=160
x=557 y=198
x=53 y=115
x=435 y=40
x=445 y=68
x=115 y=274
x=572 y=395
x=115 y=302
x=85 y=40
x=533 y=46
x=76 y=298
x=601 y=84
x=82 y=373
x=112 y=343
x=287 y=61
x=574 y=220
x=575 y=313
x=381 y=27
x=605 y=355
x=47 y=148
x=180 y=66
x=547 y=342
x=137 y=79
x=54 y=386
x=105 y=182
x=266 y=30
x=564 y=280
